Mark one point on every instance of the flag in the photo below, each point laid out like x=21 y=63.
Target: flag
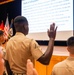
x=11 y=29
x=2 y=26
x=6 y=28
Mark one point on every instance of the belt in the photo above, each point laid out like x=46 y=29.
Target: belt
x=18 y=74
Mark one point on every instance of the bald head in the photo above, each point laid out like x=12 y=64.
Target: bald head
x=21 y=24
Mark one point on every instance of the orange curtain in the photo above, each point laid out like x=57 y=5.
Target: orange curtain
x=46 y=70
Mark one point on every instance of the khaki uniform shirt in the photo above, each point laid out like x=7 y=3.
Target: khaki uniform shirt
x=20 y=48
x=65 y=67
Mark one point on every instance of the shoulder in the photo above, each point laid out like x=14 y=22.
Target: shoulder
x=60 y=64
x=34 y=42
x=59 y=68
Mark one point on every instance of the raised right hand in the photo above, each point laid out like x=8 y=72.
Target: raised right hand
x=52 y=31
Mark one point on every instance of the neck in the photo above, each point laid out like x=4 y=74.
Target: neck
x=72 y=55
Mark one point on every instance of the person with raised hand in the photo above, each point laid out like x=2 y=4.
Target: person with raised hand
x=19 y=48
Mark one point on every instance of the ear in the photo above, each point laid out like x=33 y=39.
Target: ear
x=68 y=49
x=25 y=27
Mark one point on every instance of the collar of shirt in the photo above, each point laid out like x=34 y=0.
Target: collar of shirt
x=19 y=33
x=70 y=58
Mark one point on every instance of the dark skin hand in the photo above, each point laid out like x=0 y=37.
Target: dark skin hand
x=45 y=58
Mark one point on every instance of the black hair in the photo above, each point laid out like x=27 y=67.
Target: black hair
x=70 y=41
x=1 y=32
x=20 y=19
x=21 y=24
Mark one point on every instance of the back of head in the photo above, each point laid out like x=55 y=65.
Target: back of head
x=70 y=44
x=20 y=19
x=70 y=41
x=19 y=23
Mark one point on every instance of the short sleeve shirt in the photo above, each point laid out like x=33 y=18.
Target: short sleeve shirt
x=20 y=48
x=65 y=67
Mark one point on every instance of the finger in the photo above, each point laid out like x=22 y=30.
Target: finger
x=48 y=31
x=52 y=26
x=56 y=28
x=29 y=67
x=35 y=72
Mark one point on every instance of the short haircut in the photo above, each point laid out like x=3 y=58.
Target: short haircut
x=70 y=41
x=20 y=19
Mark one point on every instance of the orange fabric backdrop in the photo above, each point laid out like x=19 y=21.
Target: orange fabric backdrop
x=46 y=70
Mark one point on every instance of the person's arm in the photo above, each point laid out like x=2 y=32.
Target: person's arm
x=30 y=69
x=1 y=62
x=45 y=58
